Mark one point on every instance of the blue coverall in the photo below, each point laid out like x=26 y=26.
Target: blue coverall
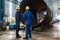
x=17 y=17
x=28 y=17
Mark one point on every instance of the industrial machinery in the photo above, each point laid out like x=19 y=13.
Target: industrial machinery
x=42 y=13
x=38 y=7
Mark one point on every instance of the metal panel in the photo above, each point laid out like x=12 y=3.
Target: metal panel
x=1 y=11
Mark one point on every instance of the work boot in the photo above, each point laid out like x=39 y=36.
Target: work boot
x=30 y=37
x=18 y=36
x=25 y=38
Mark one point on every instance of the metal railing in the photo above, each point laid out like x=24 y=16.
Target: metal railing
x=15 y=1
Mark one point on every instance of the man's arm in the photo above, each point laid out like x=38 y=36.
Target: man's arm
x=24 y=16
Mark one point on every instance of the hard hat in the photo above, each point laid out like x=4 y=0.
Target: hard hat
x=27 y=8
x=18 y=7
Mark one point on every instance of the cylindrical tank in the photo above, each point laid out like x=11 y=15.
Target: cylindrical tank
x=37 y=6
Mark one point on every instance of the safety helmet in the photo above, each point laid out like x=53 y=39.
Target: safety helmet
x=17 y=7
x=27 y=8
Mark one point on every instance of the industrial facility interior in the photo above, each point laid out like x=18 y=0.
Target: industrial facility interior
x=46 y=24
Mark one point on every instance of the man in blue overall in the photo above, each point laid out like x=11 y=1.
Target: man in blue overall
x=28 y=17
x=17 y=17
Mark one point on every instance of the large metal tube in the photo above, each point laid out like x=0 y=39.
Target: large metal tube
x=37 y=5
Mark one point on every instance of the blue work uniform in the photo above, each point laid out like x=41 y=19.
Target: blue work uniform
x=28 y=17
x=17 y=17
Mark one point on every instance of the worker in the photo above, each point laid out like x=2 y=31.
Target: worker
x=28 y=17
x=17 y=17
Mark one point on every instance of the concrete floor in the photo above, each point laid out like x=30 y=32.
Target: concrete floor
x=53 y=34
